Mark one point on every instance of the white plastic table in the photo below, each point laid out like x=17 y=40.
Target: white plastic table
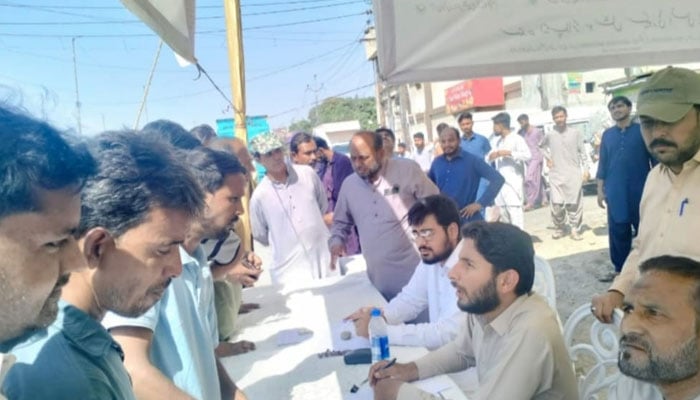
x=295 y=371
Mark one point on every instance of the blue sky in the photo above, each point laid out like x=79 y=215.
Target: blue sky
x=113 y=67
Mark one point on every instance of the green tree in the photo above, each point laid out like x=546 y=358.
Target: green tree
x=335 y=109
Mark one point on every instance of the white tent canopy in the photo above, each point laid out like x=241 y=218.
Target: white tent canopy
x=172 y=20
x=437 y=40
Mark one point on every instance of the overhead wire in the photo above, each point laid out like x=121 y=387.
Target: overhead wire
x=334 y=95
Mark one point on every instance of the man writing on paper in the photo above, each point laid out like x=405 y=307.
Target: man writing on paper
x=509 y=332
x=435 y=224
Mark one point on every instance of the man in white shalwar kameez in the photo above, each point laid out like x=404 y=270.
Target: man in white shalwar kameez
x=286 y=213
x=509 y=153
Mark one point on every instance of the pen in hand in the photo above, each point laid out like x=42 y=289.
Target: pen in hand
x=355 y=388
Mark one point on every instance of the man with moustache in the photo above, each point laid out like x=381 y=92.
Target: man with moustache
x=376 y=198
x=622 y=170
x=135 y=213
x=435 y=225
x=566 y=158
x=41 y=175
x=286 y=213
x=458 y=173
x=659 y=350
x=509 y=155
x=170 y=350
x=302 y=149
x=509 y=332
x=669 y=111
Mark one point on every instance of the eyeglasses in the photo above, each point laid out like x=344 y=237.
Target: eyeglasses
x=426 y=234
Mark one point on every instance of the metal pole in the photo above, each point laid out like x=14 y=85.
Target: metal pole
x=77 y=92
x=148 y=85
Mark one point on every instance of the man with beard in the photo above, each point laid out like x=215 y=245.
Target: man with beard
x=509 y=155
x=302 y=149
x=458 y=173
x=669 y=110
x=535 y=193
x=376 y=198
x=509 y=332
x=622 y=170
x=170 y=350
x=135 y=213
x=434 y=224
x=286 y=213
x=660 y=336
x=41 y=176
x=566 y=158
x=332 y=168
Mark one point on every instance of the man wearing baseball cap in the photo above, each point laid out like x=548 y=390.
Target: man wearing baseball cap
x=286 y=213
x=669 y=112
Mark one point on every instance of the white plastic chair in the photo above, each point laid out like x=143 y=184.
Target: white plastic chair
x=599 y=347
x=544 y=281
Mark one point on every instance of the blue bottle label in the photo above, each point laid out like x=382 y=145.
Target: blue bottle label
x=380 y=348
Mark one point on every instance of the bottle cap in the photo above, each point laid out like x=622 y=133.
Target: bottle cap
x=376 y=312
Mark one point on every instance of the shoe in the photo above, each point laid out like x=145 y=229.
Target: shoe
x=576 y=236
x=558 y=234
x=609 y=277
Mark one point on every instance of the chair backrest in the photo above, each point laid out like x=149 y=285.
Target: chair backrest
x=593 y=348
x=544 y=281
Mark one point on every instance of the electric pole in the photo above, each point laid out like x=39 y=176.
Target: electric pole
x=77 y=92
x=315 y=89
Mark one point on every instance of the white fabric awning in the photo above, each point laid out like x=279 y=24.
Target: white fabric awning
x=172 y=20
x=437 y=40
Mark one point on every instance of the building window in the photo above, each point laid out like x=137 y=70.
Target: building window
x=590 y=87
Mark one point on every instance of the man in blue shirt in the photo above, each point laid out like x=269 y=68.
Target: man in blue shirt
x=622 y=171
x=135 y=213
x=457 y=173
x=471 y=141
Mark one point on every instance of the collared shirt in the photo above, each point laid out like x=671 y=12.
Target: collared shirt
x=379 y=211
x=477 y=145
x=184 y=329
x=423 y=157
x=512 y=168
x=74 y=358
x=6 y=362
x=669 y=213
x=459 y=178
x=567 y=151
x=519 y=355
x=429 y=288
x=623 y=164
x=288 y=216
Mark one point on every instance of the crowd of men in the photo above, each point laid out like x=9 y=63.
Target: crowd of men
x=122 y=264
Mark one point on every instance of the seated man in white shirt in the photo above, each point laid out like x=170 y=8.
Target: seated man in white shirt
x=510 y=334
x=435 y=226
x=660 y=332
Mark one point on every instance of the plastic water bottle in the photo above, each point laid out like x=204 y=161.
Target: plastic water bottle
x=378 y=336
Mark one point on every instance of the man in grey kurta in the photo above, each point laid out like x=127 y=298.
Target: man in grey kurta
x=376 y=198
x=566 y=158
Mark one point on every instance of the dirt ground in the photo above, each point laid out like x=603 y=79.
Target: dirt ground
x=576 y=264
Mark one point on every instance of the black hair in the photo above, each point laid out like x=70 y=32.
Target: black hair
x=203 y=133
x=558 y=109
x=441 y=126
x=619 y=99
x=450 y=128
x=173 y=133
x=679 y=266
x=299 y=138
x=502 y=118
x=321 y=143
x=523 y=117
x=504 y=246
x=210 y=167
x=34 y=155
x=386 y=131
x=465 y=115
x=135 y=174
x=419 y=135
x=442 y=207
